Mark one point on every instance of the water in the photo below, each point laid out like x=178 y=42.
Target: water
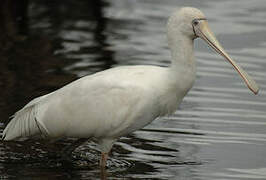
x=219 y=131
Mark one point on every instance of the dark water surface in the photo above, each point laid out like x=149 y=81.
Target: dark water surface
x=219 y=131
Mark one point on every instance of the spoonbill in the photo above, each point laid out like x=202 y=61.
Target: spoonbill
x=118 y=101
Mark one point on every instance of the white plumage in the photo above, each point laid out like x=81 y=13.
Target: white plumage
x=101 y=105
x=118 y=101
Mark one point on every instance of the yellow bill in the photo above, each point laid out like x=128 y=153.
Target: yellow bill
x=203 y=31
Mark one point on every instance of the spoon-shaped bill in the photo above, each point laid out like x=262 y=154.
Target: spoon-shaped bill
x=203 y=31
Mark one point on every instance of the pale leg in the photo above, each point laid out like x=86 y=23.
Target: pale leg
x=103 y=160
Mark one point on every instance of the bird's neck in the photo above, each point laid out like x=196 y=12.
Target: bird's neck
x=182 y=72
x=182 y=51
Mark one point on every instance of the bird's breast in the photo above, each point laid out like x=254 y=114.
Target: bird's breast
x=175 y=88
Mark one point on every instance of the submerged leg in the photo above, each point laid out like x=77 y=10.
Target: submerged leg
x=67 y=151
x=105 y=146
x=103 y=160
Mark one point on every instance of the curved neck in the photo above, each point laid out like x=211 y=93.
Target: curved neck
x=182 y=49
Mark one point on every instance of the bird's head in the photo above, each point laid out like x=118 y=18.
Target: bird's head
x=184 y=21
x=191 y=23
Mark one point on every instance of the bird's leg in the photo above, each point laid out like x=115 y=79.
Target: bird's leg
x=67 y=151
x=105 y=146
x=103 y=160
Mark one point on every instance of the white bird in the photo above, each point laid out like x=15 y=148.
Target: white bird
x=115 y=102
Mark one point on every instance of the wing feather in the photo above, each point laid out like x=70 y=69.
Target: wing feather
x=24 y=123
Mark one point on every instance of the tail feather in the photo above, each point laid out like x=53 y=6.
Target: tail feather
x=25 y=122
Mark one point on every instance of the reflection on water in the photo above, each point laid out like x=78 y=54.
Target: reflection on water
x=219 y=131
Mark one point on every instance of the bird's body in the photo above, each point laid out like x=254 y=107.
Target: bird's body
x=115 y=102
x=133 y=96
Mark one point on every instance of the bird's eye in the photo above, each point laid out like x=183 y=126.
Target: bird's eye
x=195 y=22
